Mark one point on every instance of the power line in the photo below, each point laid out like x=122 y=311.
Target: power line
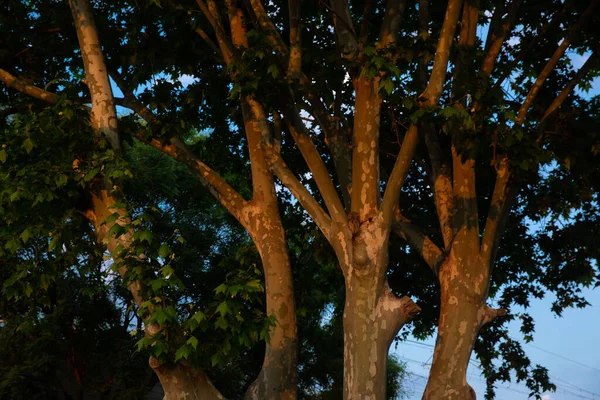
x=563 y=357
x=472 y=376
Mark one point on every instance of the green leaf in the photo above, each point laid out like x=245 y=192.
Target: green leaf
x=223 y=308
x=199 y=316
x=25 y=236
x=182 y=352
x=144 y=235
x=53 y=243
x=164 y=250
x=273 y=70
x=222 y=288
x=3 y=156
x=193 y=342
x=111 y=218
x=28 y=145
x=369 y=50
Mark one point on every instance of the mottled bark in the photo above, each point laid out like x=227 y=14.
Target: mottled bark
x=463 y=284
x=373 y=315
x=372 y=318
x=277 y=378
x=182 y=382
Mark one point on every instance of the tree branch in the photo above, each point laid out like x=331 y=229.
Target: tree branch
x=432 y=93
x=269 y=28
x=399 y=173
x=366 y=19
x=591 y=62
x=488 y=314
x=391 y=22
x=441 y=184
x=335 y=139
x=295 y=63
x=534 y=41
x=315 y=162
x=551 y=64
x=430 y=97
x=211 y=13
x=176 y=148
x=344 y=28
x=505 y=191
x=30 y=90
x=417 y=240
x=289 y=180
x=215 y=184
x=423 y=29
x=496 y=38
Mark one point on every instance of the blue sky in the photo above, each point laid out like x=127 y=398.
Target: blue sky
x=574 y=336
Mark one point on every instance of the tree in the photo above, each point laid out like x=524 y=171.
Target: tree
x=438 y=80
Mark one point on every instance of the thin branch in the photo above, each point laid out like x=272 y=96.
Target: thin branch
x=441 y=183
x=423 y=29
x=502 y=198
x=420 y=242
x=560 y=51
x=211 y=12
x=210 y=179
x=432 y=93
x=209 y=41
x=315 y=162
x=289 y=180
x=549 y=27
x=497 y=37
x=399 y=173
x=591 y=62
x=30 y=90
x=335 y=139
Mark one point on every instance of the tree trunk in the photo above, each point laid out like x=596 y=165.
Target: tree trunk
x=277 y=378
x=373 y=315
x=463 y=312
x=182 y=382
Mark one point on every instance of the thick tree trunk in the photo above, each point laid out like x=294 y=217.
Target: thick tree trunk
x=373 y=315
x=182 y=382
x=463 y=312
x=372 y=318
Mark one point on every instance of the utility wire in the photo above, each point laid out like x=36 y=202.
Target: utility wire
x=563 y=357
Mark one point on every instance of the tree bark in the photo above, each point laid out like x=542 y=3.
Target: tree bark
x=463 y=312
x=372 y=318
x=277 y=378
x=373 y=315
x=182 y=382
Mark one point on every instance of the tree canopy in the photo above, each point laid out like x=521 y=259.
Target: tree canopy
x=277 y=191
